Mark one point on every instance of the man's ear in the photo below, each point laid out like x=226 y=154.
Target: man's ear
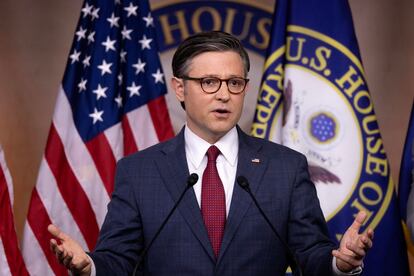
x=178 y=87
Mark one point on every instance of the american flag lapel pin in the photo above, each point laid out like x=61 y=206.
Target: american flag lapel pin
x=256 y=160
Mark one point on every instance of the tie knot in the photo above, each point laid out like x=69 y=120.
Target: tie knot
x=212 y=153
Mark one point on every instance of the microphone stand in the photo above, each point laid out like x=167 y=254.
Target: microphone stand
x=244 y=184
x=191 y=180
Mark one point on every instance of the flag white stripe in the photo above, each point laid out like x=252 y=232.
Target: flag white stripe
x=115 y=139
x=7 y=176
x=79 y=158
x=142 y=127
x=55 y=206
x=4 y=265
x=36 y=262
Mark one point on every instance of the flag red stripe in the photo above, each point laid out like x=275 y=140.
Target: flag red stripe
x=38 y=220
x=160 y=118
x=129 y=142
x=7 y=231
x=70 y=189
x=104 y=160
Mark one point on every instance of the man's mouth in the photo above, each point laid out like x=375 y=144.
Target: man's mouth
x=221 y=111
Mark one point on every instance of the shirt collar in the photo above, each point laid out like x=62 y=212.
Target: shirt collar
x=196 y=147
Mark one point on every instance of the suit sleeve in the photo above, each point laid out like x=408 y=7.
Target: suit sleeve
x=120 y=239
x=308 y=233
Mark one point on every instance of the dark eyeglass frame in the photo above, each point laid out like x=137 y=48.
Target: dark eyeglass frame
x=200 y=80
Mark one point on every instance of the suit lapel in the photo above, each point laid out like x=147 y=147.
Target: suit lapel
x=252 y=165
x=174 y=170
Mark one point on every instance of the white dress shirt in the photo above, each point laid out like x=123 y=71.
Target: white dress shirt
x=195 y=151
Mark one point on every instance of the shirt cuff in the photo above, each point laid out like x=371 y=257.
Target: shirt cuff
x=93 y=269
x=337 y=272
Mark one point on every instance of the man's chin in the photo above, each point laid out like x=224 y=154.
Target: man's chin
x=221 y=130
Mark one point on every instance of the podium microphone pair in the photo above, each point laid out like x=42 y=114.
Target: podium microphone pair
x=244 y=184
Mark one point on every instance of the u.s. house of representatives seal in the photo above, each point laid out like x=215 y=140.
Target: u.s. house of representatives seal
x=327 y=115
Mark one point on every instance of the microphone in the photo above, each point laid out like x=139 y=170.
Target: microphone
x=244 y=184
x=191 y=181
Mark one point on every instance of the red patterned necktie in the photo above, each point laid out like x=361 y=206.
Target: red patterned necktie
x=213 y=201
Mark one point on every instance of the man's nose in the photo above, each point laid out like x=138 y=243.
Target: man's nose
x=223 y=93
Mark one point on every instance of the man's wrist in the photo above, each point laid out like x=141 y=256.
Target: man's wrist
x=89 y=270
x=337 y=272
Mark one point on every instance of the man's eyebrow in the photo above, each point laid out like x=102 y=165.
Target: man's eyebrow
x=217 y=76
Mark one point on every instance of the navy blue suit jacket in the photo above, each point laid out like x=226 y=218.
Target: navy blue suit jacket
x=148 y=184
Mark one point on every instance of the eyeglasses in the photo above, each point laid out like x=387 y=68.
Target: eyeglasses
x=211 y=85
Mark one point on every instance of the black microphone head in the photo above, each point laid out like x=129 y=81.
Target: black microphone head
x=243 y=182
x=192 y=179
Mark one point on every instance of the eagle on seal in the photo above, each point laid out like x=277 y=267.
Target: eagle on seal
x=317 y=173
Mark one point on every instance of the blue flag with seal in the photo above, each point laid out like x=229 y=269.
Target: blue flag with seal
x=314 y=98
x=406 y=180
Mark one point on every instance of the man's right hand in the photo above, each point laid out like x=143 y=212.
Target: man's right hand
x=69 y=253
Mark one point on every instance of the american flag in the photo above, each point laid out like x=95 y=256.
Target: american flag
x=111 y=103
x=11 y=261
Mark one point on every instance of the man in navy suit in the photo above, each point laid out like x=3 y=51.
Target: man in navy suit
x=217 y=229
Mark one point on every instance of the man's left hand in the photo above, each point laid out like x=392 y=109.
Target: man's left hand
x=353 y=246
